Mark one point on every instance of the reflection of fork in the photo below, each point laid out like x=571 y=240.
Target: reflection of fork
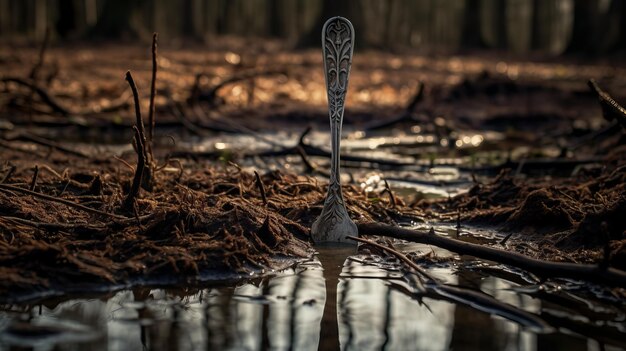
x=334 y=224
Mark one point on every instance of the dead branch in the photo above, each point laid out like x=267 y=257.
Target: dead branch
x=33 y=182
x=476 y=299
x=34 y=72
x=11 y=188
x=417 y=98
x=144 y=152
x=259 y=184
x=151 y=122
x=10 y=172
x=46 y=142
x=210 y=96
x=406 y=115
x=129 y=202
x=392 y=198
x=611 y=110
x=587 y=272
x=399 y=255
x=41 y=92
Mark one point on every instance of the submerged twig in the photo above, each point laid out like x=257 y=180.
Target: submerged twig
x=478 y=300
x=587 y=272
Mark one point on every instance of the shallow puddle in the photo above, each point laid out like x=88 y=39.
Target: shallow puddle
x=338 y=300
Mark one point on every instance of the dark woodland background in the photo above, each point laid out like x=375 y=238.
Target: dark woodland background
x=552 y=27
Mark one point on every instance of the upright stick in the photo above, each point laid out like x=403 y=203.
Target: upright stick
x=334 y=224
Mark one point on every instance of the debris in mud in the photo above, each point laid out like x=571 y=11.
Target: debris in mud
x=195 y=219
x=578 y=216
x=70 y=216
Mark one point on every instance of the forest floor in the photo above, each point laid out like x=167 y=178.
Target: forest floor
x=545 y=155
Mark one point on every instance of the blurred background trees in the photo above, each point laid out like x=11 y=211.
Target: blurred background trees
x=521 y=26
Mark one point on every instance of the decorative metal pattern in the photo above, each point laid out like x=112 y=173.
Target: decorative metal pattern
x=334 y=224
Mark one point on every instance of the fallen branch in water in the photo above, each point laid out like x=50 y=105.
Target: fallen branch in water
x=476 y=299
x=545 y=269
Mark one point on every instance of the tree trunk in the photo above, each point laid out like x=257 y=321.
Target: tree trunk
x=117 y=19
x=471 y=25
x=330 y=8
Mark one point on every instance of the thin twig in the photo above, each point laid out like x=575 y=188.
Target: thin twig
x=10 y=188
x=141 y=163
x=610 y=108
x=133 y=88
x=259 y=184
x=42 y=56
x=49 y=143
x=10 y=172
x=43 y=94
x=151 y=121
x=399 y=255
x=54 y=226
x=33 y=182
x=143 y=152
x=475 y=299
x=392 y=198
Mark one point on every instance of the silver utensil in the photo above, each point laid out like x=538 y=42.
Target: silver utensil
x=334 y=223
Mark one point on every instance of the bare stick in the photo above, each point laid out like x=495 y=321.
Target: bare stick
x=475 y=299
x=43 y=94
x=392 y=198
x=259 y=184
x=610 y=108
x=138 y=119
x=151 y=122
x=399 y=255
x=33 y=182
x=210 y=96
x=587 y=272
x=141 y=164
x=147 y=174
x=49 y=143
x=6 y=177
x=9 y=188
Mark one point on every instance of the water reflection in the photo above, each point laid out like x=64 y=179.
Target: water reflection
x=355 y=302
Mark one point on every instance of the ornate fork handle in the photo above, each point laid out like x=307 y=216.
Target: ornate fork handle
x=334 y=224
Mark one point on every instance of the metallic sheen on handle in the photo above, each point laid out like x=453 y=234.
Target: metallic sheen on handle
x=334 y=224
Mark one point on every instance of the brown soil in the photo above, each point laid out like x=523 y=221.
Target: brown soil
x=191 y=217
x=195 y=219
x=579 y=217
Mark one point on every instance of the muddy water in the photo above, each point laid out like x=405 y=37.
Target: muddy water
x=338 y=300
